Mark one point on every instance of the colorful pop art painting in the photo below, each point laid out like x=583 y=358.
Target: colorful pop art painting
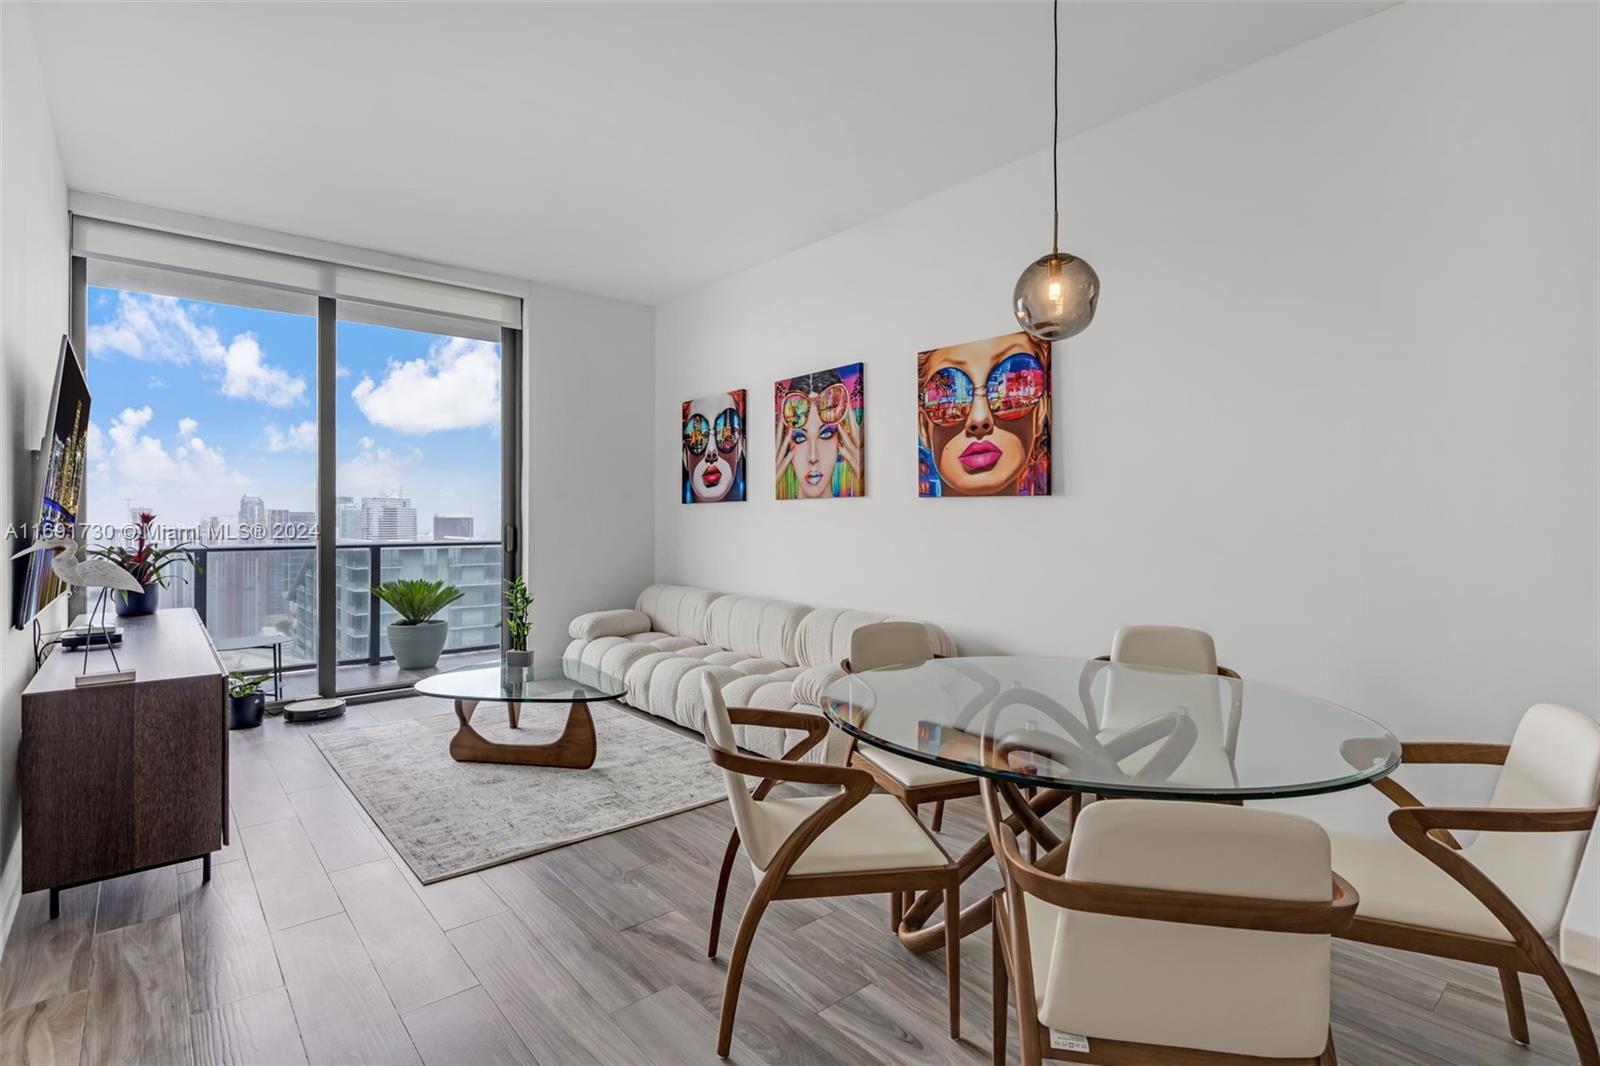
x=983 y=418
x=714 y=448
x=819 y=447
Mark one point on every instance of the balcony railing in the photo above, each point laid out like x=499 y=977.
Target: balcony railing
x=249 y=589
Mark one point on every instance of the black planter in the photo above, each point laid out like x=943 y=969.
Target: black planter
x=133 y=604
x=244 y=712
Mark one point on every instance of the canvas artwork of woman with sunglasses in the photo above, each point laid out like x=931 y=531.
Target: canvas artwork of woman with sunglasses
x=818 y=447
x=713 y=448
x=983 y=418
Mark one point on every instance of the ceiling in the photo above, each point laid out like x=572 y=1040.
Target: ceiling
x=631 y=150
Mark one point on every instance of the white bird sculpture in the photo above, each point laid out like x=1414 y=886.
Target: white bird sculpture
x=78 y=572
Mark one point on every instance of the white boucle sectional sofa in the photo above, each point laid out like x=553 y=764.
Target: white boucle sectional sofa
x=766 y=653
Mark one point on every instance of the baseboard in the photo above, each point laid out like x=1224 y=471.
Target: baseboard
x=1580 y=949
x=10 y=892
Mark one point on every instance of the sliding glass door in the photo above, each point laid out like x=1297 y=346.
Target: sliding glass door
x=417 y=491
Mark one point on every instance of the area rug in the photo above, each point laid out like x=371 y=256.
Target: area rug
x=449 y=818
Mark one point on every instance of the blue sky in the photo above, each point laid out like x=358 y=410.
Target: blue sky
x=195 y=404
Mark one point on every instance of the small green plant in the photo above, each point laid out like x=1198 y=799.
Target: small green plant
x=242 y=685
x=518 y=602
x=416 y=601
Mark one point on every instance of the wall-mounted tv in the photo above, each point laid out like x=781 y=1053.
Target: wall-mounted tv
x=58 y=482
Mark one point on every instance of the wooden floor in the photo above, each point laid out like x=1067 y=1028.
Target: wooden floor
x=314 y=943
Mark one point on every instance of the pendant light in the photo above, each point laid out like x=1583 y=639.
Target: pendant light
x=1055 y=297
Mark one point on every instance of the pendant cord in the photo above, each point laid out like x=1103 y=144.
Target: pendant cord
x=1055 y=129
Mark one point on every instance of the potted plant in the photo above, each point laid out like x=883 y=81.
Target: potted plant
x=417 y=637
x=519 y=601
x=145 y=561
x=246 y=701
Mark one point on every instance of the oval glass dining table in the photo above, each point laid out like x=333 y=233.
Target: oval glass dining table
x=1048 y=730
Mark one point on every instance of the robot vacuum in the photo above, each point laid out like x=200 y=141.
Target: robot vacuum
x=314 y=710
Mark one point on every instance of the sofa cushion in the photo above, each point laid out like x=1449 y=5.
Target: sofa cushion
x=617 y=623
x=812 y=681
x=824 y=635
x=677 y=610
x=637 y=679
x=756 y=626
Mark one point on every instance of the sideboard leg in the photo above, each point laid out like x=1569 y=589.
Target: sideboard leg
x=55 y=904
x=205 y=867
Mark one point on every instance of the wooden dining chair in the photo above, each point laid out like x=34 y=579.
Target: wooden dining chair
x=1182 y=934
x=1169 y=648
x=804 y=847
x=1130 y=697
x=914 y=783
x=1498 y=899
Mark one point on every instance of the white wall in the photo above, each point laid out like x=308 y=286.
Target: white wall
x=589 y=387
x=33 y=316
x=1338 y=407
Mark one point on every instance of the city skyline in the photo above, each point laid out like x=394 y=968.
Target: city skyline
x=196 y=405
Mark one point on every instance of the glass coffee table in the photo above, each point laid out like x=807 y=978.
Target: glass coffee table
x=548 y=684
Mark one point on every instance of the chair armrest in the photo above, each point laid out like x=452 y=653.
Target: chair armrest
x=1494 y=819
x=773 y=771
x=1420 y=828
x=809 y=724
x=1455 y=752
x=814 y=727
x=1436 y=752
x=1181 y=906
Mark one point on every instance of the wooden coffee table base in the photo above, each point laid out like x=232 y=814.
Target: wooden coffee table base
x=573 y=749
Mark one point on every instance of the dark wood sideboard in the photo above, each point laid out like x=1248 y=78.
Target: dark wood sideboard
x=121 y=778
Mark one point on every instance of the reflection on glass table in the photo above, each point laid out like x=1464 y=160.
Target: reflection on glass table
x=1045 y=731
x=1088 y=725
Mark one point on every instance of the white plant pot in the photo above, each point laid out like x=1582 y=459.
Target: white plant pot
x=417 y=647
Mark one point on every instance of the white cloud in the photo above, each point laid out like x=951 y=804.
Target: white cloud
x=456 y=386
x=246 y=375
x=300 y=437
x=162 y=329
x=374 y=470
x=188 y=476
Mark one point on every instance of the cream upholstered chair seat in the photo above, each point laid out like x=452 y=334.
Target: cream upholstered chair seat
x=909 y=771
x=1398 y=885
x=876 y=834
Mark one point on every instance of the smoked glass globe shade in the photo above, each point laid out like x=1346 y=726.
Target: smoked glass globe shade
x=1056 y=296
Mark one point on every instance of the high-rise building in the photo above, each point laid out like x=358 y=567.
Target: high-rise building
x=452 y=527
x=286 y=525
x=252 y=517
x=352 y=520
x=388 y=518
